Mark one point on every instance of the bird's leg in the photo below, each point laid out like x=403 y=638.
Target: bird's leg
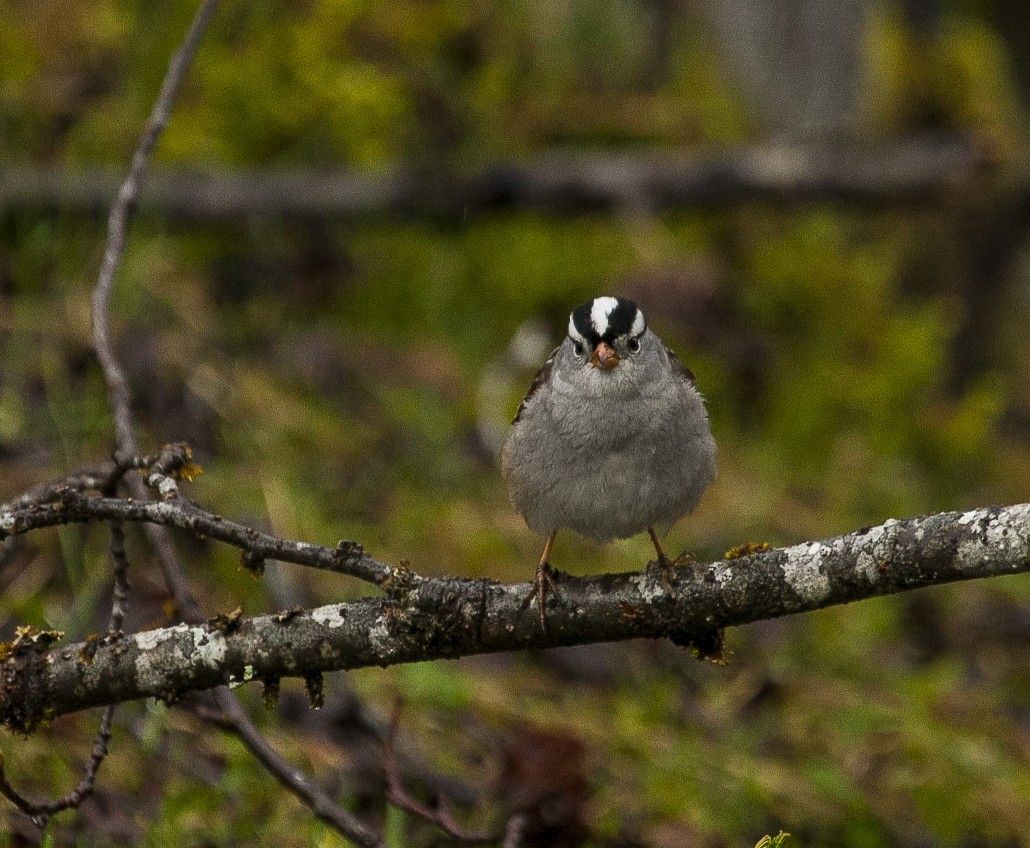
x=663 y=564
x=542 y=582
x=663 y=560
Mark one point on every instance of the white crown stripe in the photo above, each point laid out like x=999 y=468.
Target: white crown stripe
x=599 y=312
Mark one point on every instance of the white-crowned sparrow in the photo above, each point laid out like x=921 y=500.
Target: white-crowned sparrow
x=612 y=438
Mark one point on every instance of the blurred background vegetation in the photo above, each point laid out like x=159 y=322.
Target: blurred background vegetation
x=347 y=378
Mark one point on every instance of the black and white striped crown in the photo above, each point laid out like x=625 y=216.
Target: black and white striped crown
x=604 y=319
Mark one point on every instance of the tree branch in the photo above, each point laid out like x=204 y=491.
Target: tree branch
x=163 y=471
x=439 y=813
x=177 y=511
x=426 y=619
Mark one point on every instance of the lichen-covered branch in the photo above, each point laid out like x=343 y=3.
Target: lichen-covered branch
x=425 y=619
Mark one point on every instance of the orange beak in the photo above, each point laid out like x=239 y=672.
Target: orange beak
x=604 y=357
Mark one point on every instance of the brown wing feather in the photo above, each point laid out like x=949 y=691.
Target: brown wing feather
x=541 y=377
x=679 y=369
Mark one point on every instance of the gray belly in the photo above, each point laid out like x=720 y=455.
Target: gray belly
x=605 y=489
x=621 y=494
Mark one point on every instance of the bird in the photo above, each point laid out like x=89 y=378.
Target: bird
x=612 y=438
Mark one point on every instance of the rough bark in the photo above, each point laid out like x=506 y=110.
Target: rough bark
x=437 y=618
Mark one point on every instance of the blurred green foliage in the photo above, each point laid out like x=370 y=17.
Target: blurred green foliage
x=330 y=377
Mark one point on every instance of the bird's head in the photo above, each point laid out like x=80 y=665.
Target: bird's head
x=606 y=331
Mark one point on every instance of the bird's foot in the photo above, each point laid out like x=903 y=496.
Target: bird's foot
x=665 y=569
x=685 y=558
x=542 y=582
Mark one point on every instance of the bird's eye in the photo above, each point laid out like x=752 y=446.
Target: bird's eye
x=577 y=348
x=633 y=345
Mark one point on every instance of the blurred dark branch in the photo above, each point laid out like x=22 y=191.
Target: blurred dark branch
x=988 y=234
x=439 y=813
x=325 y=809
x=435 y=618
x=916 y=171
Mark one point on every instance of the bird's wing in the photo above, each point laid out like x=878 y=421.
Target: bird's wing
x=678 y=368
x=541 y=377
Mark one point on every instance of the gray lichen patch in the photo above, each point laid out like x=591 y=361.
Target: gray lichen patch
x=649 y=586
x=151 y=664
x=381 y=640
x=876 y=548
x=150 y=639
x=176 y=647
x=804 y=573
x=998 y=533
x=723 y=573
x=329 y=616
x=209 y=646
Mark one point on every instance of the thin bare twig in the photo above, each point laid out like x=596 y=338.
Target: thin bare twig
x=118 y=222
x=41 y=813
x=120 y=591
x=173 y=573
x=105 y=477
x=97 y=478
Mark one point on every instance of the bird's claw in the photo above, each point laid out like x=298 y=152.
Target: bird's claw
x=538 y=590
x=665 y=568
